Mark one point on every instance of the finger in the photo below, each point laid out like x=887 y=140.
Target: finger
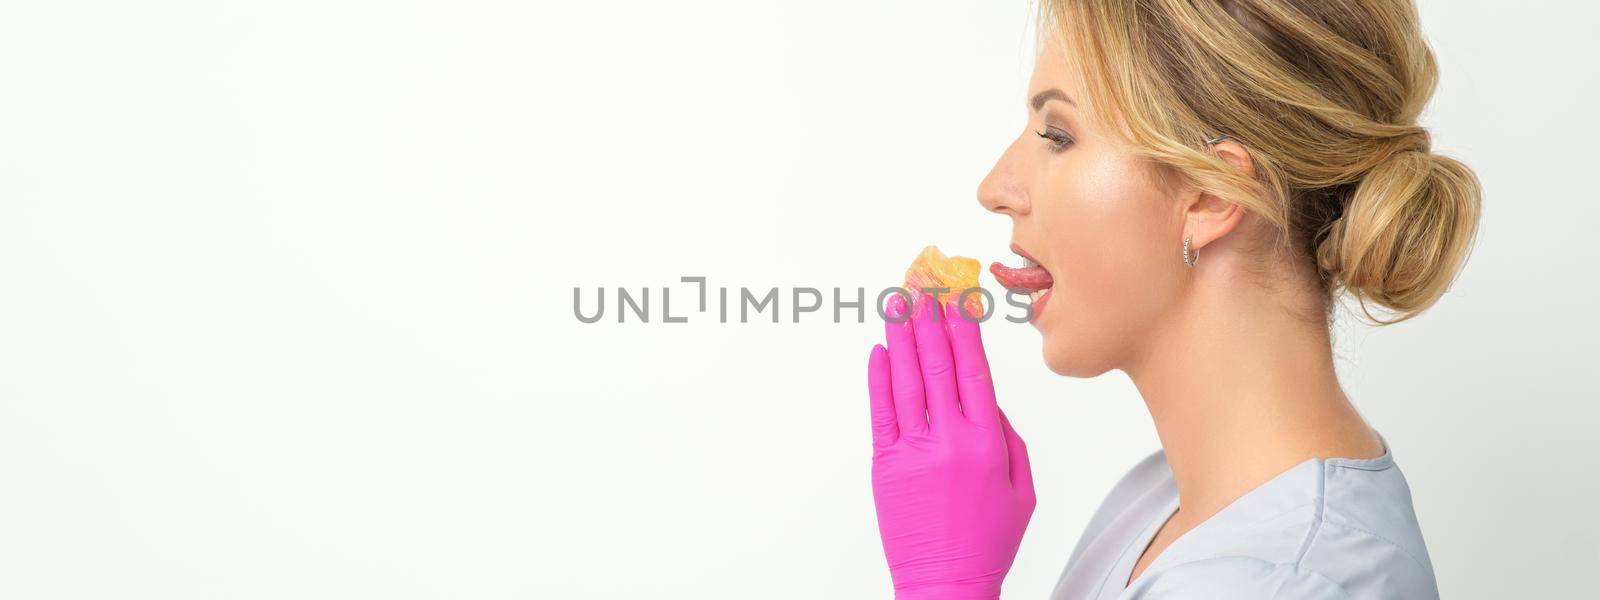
x=973 y=382
x=884 y=428
x=1017 y=453
x=938 y=367
x=905 y=379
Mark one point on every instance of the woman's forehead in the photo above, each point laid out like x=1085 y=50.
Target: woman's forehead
x=1052 y=68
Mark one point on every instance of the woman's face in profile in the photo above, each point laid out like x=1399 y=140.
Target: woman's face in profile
x=1098 y=219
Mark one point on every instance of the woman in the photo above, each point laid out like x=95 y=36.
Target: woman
x=1277 y=139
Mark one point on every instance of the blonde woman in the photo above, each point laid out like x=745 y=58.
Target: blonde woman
x=1197 y=183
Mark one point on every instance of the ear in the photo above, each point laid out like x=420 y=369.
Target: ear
x=1209 y=217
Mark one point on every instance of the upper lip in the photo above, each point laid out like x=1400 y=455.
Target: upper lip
x=1023 y=253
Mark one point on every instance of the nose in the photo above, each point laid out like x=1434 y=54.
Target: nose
x=1002 y=190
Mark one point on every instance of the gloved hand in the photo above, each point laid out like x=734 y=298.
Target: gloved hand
x=950 y=478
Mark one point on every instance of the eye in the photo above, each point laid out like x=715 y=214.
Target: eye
x=1059 y=140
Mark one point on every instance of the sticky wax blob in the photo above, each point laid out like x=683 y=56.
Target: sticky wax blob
x=932 y=269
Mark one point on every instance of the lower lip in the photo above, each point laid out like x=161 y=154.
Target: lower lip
x=1038 y=306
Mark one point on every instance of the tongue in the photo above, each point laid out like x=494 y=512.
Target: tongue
x=1030 y=278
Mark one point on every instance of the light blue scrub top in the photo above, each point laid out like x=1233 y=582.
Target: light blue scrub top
x=1335 y=528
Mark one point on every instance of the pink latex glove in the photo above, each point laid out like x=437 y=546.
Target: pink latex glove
x=950 y=477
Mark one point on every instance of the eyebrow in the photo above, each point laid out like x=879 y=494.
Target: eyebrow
x=1051 y=94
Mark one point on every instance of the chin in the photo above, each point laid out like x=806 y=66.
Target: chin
x=1070 y=362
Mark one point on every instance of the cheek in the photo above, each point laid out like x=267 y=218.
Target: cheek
x=1110 y=227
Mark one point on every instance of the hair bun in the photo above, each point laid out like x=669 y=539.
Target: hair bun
x=1407 y=229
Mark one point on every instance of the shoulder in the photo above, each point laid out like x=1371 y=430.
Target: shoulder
x=1238 y=577
x=1324 y=529
x=1368 y=536
x=1235 y=577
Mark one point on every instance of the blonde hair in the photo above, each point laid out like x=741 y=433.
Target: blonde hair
x=1325 y=95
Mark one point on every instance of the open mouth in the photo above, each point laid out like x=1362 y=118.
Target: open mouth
x=1030 y=276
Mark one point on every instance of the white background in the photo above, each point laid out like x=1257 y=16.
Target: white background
x=286 y=297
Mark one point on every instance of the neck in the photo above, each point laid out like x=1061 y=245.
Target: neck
x=1240 y=390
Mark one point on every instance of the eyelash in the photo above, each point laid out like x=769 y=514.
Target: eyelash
x=1059 y=140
